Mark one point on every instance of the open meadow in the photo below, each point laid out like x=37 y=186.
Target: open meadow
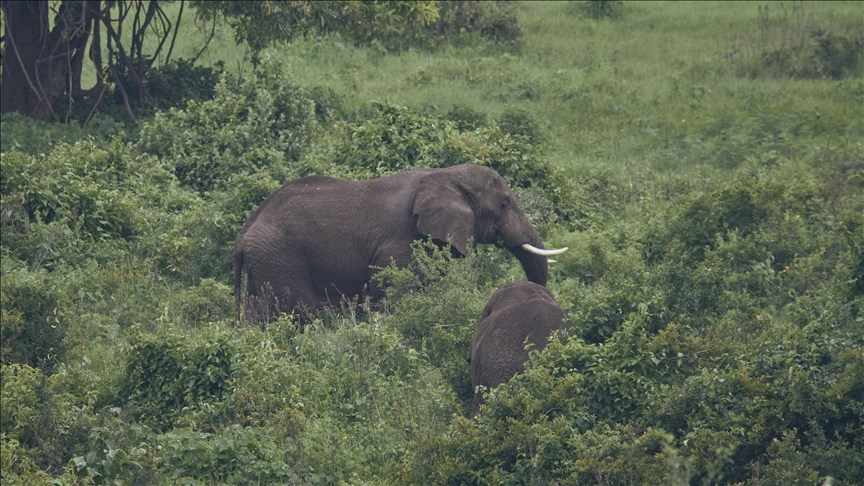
x=703 y=162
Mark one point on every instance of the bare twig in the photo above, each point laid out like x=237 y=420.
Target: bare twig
x=96 y=105
x=113 y=68
x=207 y=43
x=127 y=62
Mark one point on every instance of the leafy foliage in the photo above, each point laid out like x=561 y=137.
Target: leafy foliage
x=263 y=123
x=263 y=22
x=599 y=9
x=170 y=85
x=714 y=278
x=434 y=313
x=791 y=44
x=391 y=139
x=459 y=22
x=166 y=373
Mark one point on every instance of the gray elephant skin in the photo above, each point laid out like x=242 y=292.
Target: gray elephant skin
x=516 y=314
x=316 y=239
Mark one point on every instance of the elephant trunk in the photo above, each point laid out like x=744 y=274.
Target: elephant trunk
x=536 y=266
x=522 y=240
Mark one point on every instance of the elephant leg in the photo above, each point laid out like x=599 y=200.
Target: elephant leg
x=275 y=289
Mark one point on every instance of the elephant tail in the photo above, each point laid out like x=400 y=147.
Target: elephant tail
x=238 y=281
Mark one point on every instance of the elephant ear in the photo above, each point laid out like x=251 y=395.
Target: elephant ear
x=443 y=210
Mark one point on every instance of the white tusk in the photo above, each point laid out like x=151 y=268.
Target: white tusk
x=549 y=260
x=538 y=251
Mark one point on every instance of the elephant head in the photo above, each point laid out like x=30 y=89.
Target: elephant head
x=473 y=202
x=515 y=315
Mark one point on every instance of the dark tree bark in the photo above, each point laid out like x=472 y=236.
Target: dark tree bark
x=38 y=64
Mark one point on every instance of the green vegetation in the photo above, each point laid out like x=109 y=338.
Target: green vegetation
x=703 y=162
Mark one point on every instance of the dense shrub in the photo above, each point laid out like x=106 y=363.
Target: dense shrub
x=748 y=244
x=35 y=316
x=495 y=21
x=519 y=122
x=328 y=105
x=598 y=9
x=34 y=137
x=491 y=25
x=437 y=314
x=795 y=46
x=465 y=118
x=357 y=385
x=391 y=139
x=42 y=420
x=166 y=374
x=171 y=85
x=262 y=124
x=81 y=186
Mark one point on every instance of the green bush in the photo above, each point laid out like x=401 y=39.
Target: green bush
x=465 y=118
x=497 y=22
x=437 y=313
x=35 y=316
x=165 y=373
x=209 y=301
x=328 y=105
x=104 y=462
x=750 y=243
x=171 y=85
x=391 y=139
x=34 y=137
x=19 y=469
x=354 y=383
x=516 y=121
x=78 y=185
x=261 y=124
x=599 y=9
x=39 y=418
x=490 y=25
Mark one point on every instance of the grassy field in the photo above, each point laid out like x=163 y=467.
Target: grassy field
x=604 y=91
x=702 y=160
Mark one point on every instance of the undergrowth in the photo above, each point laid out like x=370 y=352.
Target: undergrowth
x=712 y=203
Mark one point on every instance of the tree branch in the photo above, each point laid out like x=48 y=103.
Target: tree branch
x=212 y=33
x=126 y=62
x=162 y=37
x=113 y=68
x=96 y=56
x=174 y=37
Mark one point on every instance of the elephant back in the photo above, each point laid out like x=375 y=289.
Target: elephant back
x=514 y=316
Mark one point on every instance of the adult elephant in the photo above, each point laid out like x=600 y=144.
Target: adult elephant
x=514 y=315
x=317 y=238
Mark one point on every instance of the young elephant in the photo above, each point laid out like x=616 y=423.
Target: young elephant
x=317 y=238
x=515 y=313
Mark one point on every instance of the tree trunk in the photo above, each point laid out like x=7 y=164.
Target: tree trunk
x=38 y=64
